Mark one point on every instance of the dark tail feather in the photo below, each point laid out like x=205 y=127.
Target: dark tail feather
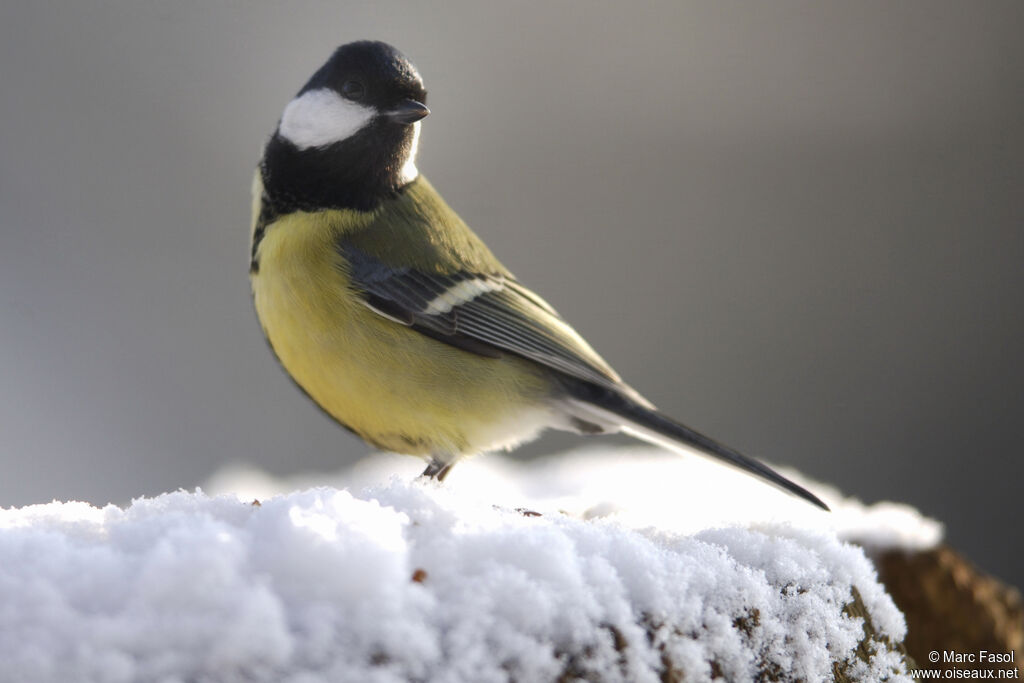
x=650 y=425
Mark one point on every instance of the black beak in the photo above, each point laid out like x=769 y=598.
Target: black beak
x=407 y=111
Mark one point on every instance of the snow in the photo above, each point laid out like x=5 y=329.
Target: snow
x=600 y=564
x=640 y=486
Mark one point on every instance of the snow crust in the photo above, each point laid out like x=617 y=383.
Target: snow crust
x=635 y=558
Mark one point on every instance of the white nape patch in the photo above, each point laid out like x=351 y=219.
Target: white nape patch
x=322 y=117
x=409 y=170
x=467 y=290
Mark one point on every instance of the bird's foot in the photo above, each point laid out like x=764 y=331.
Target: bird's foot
x=437 y=469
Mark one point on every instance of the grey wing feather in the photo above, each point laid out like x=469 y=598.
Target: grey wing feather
x=477 y=312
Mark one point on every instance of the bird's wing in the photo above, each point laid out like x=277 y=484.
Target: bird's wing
x=489 y=314
x=482 y=313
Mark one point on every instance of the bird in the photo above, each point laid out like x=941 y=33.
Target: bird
x=392 y=315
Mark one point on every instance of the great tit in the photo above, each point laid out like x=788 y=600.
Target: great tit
x=392 y=315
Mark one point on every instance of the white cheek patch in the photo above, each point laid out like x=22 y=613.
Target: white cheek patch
x=409 y=170
x=322 y=117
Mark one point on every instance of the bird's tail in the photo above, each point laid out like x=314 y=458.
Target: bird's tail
x=611 y=409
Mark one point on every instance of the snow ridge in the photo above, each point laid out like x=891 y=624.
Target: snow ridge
x=403 y=580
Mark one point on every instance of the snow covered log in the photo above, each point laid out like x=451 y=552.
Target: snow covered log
x=615 y=566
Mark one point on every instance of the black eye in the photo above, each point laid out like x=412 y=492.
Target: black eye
x=353 y=90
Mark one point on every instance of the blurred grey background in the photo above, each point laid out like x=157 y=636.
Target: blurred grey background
x=796 y=226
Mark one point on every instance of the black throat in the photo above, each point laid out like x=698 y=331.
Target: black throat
x=357 y=173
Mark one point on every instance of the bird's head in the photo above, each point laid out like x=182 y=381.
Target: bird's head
x=348 y=139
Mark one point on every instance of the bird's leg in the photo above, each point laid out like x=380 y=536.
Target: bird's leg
x=437 y=469
x=444 y=471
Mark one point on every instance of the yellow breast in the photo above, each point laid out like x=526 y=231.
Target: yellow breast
x=398 y=389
